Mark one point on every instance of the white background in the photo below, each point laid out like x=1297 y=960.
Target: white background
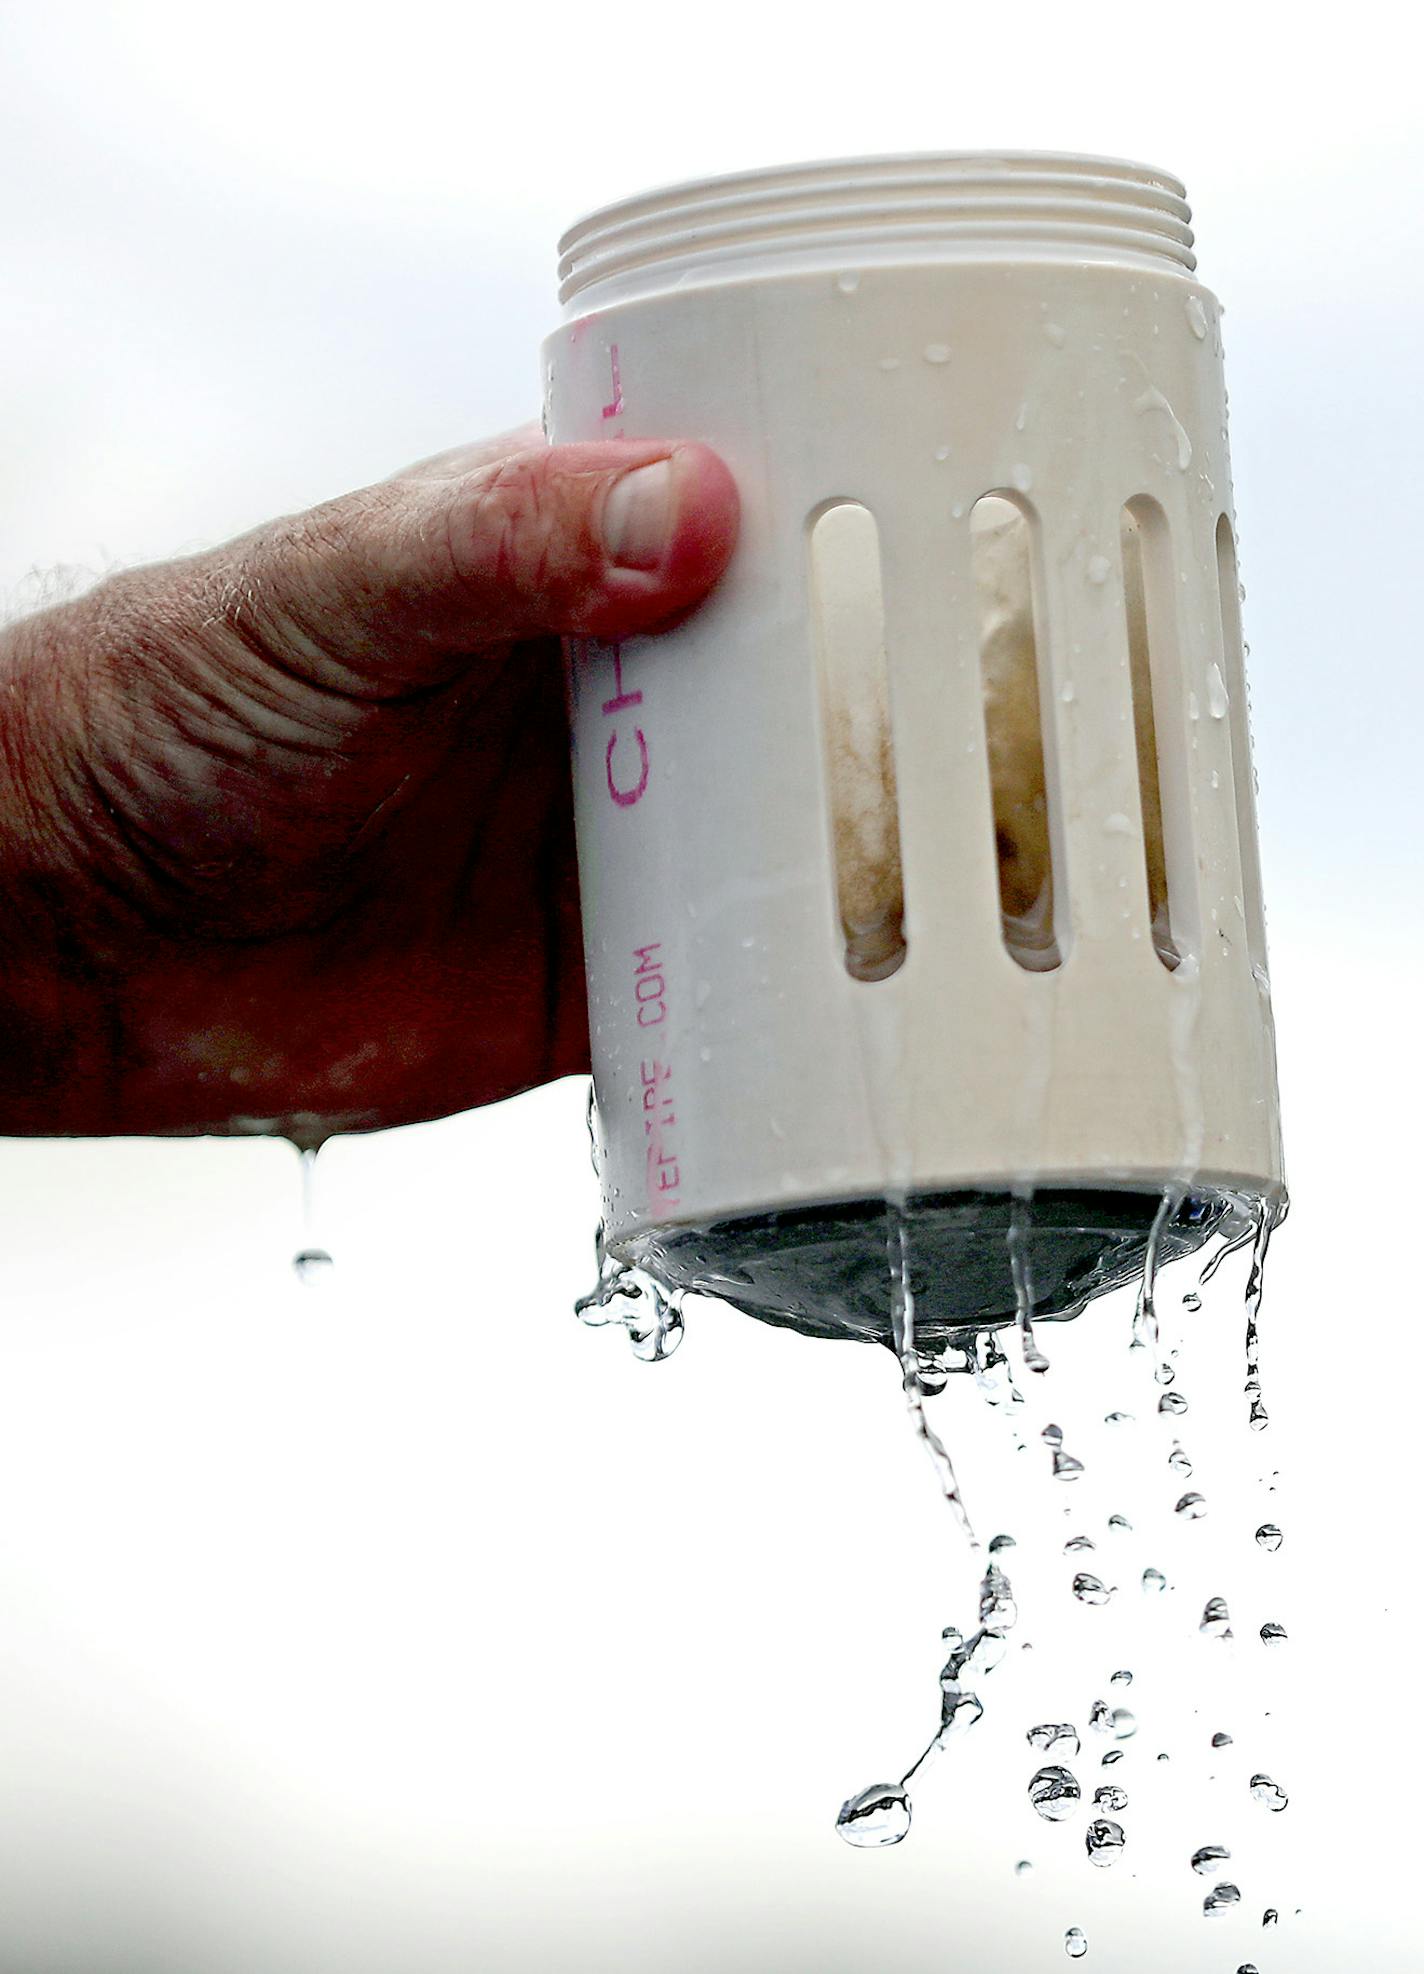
x=403 y=1624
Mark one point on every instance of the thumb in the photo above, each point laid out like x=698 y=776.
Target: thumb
x=394 y=587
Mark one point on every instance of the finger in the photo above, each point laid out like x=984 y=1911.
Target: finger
x=458 y=461
x=393 y=588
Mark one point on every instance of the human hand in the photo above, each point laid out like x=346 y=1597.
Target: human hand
x=286 y=835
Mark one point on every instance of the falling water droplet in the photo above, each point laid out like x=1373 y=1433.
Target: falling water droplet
x=1216 y=1619
x=877 y=1816
x=1221 y=1898
x=1051 y=1734
x=1273 y=1634
x=959 y=1711
x=1116 y=1721
x=1090 y=1589
x=1269 y=1794
x=1191 y=1507
x=312 y=1265
x=1075 y=1943
x=1054 y=1793
x=1209 y=1858
x=997 y=1609
x=1105 y=1841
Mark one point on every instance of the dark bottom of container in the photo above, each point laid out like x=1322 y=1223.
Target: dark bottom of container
x=824 y=1270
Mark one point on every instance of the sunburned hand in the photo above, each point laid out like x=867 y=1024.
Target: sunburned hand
x=285 y=828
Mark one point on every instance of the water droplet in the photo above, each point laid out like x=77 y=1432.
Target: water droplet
x=1116 y=1721
x=1216 y=1619
x=1069 y=692
x=877 y=1816
x=1177 y=1460
x=889 y=363
x=312 y=1266
x=1123 y=1678
x=1248 y=1967
x=998 y=1543
x=1054 y=1793
x=1090 y=1589
x=1153 y=1580
x=937 y=352
x=959 y=1711
x=1099 y=569
x=1270 y=1917
x=846 y=284
x=1105 y=1841
x=1269 y=1537
x=1165 y=1375
x=941 y=454
x=1053 y=1734
x=1221 y=1740
x=1056 y=334
x=1119 y=1524
x=1191 y=1507
x=1023 y=1867
x=1110 y=1796
x=1191 y=1300
x=1075 y=1943
x=1196 y=317
x=1173 y=1403
x=1208 y=1858
x=1118 y=1419
x=1268 y=1793
x=977 y=1656
x=1273 y=1634
x=1116 y=824
x=1022 y=478
x=1153 y=400
x=1221 y=1898
x=997 y=1609
x=1077 y=1545
x=1065 y=1467
x=1113 y=1755
x=1052 y=1436
x=1217 y=701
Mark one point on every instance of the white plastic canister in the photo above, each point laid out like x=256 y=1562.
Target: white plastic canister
x=811 y=988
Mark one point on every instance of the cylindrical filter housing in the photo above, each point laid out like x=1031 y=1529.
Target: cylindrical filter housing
x=920 y=863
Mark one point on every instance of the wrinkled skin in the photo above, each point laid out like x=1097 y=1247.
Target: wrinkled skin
x=286 y=840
